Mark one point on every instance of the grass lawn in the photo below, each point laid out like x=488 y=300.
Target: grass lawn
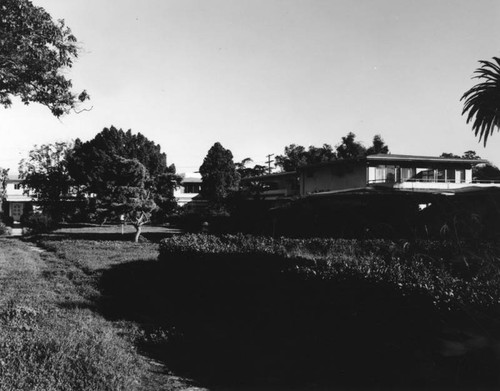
x=54 y=334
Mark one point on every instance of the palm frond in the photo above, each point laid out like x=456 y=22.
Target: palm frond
x=482 y=101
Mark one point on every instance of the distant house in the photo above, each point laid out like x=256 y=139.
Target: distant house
x=272 y=187
x=398 y=172
x=188 y=195
x=17 y=200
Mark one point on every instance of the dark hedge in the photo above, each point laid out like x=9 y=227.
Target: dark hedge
x=342 y=312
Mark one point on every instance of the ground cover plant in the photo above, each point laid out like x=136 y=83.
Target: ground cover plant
x=421 y=314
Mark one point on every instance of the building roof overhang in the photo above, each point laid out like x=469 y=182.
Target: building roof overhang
x=408 y=160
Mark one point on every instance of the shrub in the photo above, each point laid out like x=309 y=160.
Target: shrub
x=38 y=223
x=428 y=267
x=4 y=230
x=331 y=309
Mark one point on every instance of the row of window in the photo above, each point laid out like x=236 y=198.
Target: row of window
x=403 y=174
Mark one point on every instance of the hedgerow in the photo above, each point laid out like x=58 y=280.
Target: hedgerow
x=438 y=270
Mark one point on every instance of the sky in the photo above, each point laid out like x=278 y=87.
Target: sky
x=258 y=75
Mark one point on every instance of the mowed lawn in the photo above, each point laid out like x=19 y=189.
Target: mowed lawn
x=54 y=333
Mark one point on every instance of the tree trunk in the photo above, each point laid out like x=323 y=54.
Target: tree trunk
x=138 y=229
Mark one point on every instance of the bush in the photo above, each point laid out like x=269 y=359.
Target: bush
x=4 y=230
x=331 y=309
x=425 y=267
x=38 y=223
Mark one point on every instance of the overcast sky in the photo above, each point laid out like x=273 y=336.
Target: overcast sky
x=257 y=75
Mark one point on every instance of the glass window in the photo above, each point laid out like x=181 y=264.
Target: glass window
x=440 y=175
x=450 y=175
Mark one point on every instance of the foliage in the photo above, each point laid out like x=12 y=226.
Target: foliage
x=247 y=172
x=378 y=146
x=94 y=163
x=38 y=223
x=485 y=172
x=4 y=230
x=482 y=102
x=411 y=268
x=35 y=53
x=349 y=148
x=4 y=174
x=219 y=175
x=470 y=155
x=45 y=173
x=481 y=171
x=126 y=173
x=449 y=155
x=296 y=156
x=331 y=309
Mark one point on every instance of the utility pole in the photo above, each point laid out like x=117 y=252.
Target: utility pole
x=269 y=161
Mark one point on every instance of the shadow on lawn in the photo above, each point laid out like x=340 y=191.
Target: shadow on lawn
x=279 y=332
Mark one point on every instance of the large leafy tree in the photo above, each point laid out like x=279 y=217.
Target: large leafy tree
x=126 y=174
x=129 y=195
x=45 y=173
x=378 y=146
x=349 y=148
x=35 y=53
x=482 y=102
x=219 y=175
x=296 y=156
x=247 y=172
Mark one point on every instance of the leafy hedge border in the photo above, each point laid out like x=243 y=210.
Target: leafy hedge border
x=425 y=267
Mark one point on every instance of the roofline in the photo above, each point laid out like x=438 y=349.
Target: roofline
x=267 y=176
x=417 y=158
x=398 y=158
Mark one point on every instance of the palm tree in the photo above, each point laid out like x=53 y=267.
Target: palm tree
x=483 y=100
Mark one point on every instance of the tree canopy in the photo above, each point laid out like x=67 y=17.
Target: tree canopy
x=482 y=102
x=35 y=51
x=296 y=156
x=378 y=146
x=45 y=172
x=218 y=174
x=349 y=148
x=247 y=172
x=115 y=161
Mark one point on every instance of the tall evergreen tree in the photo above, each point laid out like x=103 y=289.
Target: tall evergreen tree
x=219 y=175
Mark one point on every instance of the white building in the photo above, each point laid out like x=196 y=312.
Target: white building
x=17 y=200
x=187 y=194
x=399 y=172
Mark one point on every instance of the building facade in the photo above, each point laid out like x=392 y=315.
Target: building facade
x=398 y=172
x=17 y=200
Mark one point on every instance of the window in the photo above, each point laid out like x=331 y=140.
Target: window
x=407 y=173
x=385 y=174
x=192 y=187
x=450 y=175
x=17 y=186
x=440 y=175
